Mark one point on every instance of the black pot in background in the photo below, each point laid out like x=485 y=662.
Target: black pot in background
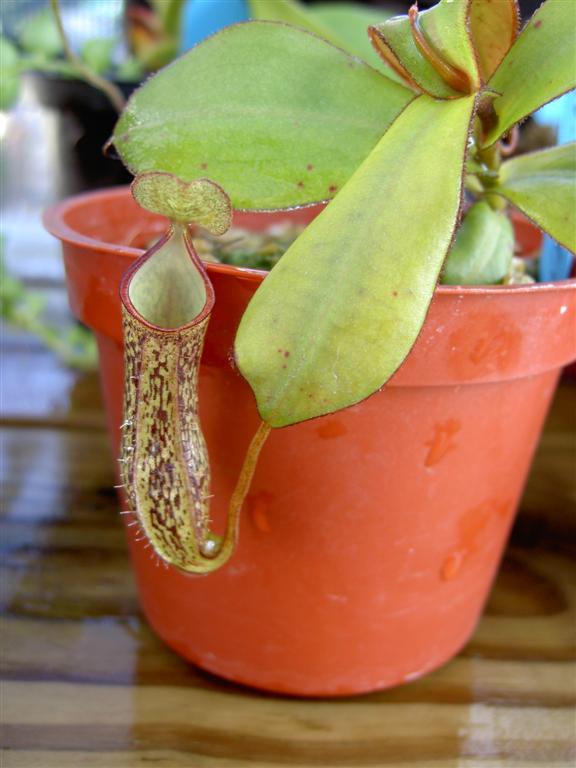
x=84 y=119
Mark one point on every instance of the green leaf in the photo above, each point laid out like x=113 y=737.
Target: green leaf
x=343 y=24
x=273 y=114
x=540 y=66
x=129 y=70
x=290 y=12
x=349 y=24
x=39 y=34
x=24 y=309
x=9 y=89
x=493 y=27
x=35 y=62
x=9 y=73
x=8 y=54
x=448 y=67
x=483 y=250
x=97 y=53
x=543 y=186
x=341 y=310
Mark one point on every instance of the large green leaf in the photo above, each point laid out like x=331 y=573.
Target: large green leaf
x=276 y=116
x=348 y=23
x=342 y=24
x=540 y=66
x=543 y=186
x=483 y=250
x=290 y=12
x=341 y=310
x=448 y=66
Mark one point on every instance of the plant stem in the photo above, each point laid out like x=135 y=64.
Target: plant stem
x=496 y=202
x=491 y=158
x=215 y=558
x=244 y=480
x=108 y=88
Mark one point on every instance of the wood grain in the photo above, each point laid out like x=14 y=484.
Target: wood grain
x=86 y=683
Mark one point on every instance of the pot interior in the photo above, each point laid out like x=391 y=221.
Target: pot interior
x=117 y=219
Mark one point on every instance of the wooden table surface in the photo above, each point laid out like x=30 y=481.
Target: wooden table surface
x=86 y=683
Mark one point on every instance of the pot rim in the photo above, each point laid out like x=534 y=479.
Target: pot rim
x=54 y=220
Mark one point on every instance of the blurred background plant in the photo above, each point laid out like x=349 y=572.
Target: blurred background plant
x=144 y=36
x=26 y=310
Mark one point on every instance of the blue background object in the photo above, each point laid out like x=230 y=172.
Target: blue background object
x=204 y=17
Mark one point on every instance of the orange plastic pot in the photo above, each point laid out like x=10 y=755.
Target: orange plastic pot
x=370 y=538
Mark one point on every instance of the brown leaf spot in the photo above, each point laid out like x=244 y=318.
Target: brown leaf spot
x=332 y=188
x=301 y=184
x=309 y=167
x=203 y=166
x=537 y=24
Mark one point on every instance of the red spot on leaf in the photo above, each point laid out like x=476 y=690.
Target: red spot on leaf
x=537 y=24
x=286 y=354
x=332 y=188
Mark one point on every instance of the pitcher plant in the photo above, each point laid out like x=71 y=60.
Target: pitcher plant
x=268 y=116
